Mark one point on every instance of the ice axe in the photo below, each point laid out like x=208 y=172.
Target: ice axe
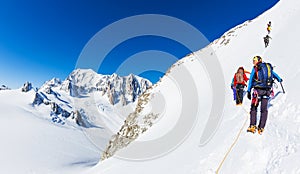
x=282 y=87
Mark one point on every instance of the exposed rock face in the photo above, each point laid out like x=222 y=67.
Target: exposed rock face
x=38 y=99
x=26 y=87
x=131 y=129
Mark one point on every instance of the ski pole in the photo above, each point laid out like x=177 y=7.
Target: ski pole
x=282 y=87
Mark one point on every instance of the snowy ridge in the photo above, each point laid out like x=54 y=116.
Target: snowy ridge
x=276 y=151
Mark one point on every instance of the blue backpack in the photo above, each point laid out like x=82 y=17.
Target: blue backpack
x=264 y=76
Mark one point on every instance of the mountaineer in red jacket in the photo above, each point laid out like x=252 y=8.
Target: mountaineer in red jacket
x=239 y=82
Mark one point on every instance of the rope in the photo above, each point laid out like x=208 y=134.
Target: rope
x=233 y=144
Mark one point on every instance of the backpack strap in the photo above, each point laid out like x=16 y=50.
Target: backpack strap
x=256 y=73
x=269 y=69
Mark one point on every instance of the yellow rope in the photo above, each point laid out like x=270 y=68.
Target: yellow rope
x=233 y=144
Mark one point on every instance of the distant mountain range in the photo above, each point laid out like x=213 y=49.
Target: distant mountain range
x=85 y=96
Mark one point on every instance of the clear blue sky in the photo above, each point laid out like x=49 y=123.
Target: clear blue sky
x=43 y=39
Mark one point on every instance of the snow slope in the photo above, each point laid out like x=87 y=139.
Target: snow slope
x=31 y=144
x=276 y=151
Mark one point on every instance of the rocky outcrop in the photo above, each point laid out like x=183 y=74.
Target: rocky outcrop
x=132 y=128
x=38 y=99
x=4 y=87
x=26 y=87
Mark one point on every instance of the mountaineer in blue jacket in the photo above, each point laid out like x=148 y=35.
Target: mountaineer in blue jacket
x=261 y=80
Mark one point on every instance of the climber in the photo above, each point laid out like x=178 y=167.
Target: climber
x=261 y=80
x=238 y=83
x=269 y=27
x=267 y=40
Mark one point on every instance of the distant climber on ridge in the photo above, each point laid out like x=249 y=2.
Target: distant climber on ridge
x=269 y=27
x=267 y=40
x=261 y=80
x=238 y=83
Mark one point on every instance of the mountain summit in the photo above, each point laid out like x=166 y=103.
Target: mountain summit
x=114 y=87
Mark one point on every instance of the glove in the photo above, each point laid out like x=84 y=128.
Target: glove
x=249 y=95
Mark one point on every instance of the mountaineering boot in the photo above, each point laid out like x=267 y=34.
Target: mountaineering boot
x=251 y=129
x=260 y=130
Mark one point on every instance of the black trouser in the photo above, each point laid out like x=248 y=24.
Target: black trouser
x=259 y=96
x=266 y=43
x=239 y=93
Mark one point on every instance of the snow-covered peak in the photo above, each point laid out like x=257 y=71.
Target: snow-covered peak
x=4 y=87
x=117 y=89
x=54 y=82
x=83 y=77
